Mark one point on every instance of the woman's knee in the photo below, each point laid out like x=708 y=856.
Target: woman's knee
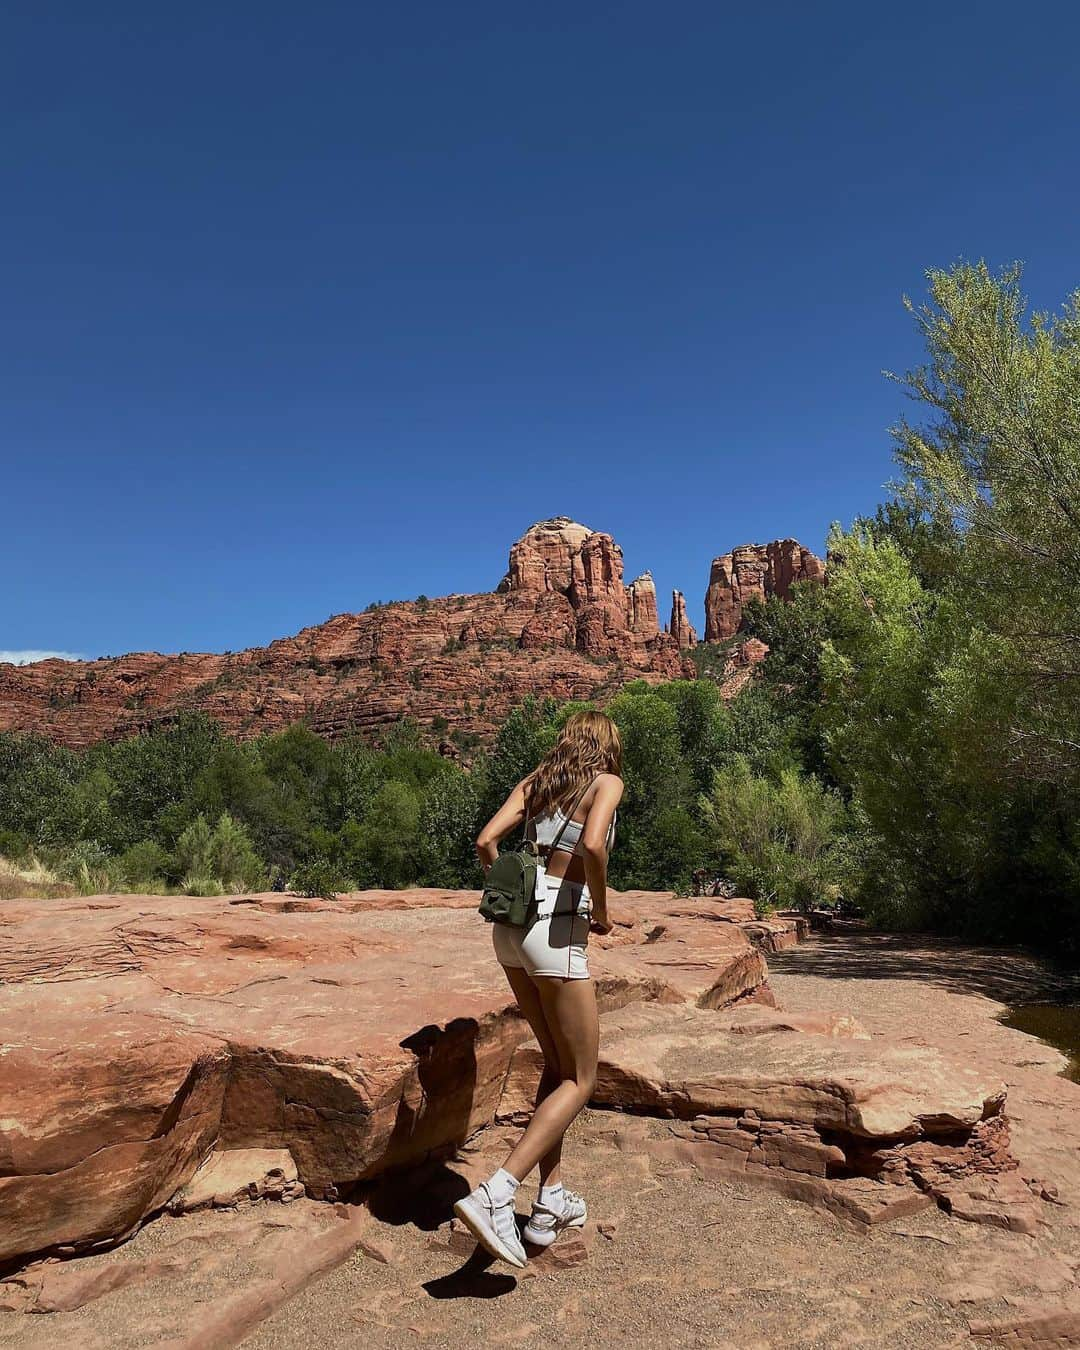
x=583 y=1082
x=586 y=1085
x=550 y=1077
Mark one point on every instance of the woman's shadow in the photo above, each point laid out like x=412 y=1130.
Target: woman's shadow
x=424 y=1196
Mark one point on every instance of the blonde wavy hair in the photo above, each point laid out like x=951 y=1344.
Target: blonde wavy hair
x=588 y=744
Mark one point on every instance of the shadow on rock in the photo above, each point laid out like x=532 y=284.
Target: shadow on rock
x=423 y=1197
x=1007 y=974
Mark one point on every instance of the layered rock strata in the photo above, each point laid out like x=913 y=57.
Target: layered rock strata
x=812 y=1107
x=171 y=1051
x=142 y=1033
x=562 y=622
x=679 y=625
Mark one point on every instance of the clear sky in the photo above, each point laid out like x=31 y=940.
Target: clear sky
x=309 y=305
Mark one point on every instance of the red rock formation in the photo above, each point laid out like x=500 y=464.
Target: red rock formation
x=323 y=1044
x=743 y=659
x=562 y=622
x=754 y=571
x=680 y=627
x=811 y=1107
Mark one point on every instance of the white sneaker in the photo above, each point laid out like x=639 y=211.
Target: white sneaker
x=493 y=1224
x=545 y=1224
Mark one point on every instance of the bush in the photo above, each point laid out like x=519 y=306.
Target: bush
x=193 y=849
x=88 y=867
x=233 y=858
x=145 y=864
x=201 y=885
x=14 y=844
x=318 y=880
x=785 y=842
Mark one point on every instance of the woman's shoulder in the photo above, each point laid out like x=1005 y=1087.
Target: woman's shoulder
x=609 y=782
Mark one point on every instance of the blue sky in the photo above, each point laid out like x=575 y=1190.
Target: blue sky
x=309 y=306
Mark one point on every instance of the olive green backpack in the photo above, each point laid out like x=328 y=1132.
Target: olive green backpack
x=510 y=887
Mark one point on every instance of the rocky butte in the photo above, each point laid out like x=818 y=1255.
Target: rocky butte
x=754 y=572
x=563 y=622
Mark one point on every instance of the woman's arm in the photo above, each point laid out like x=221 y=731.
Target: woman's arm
x=505 y=819
x=594 y=854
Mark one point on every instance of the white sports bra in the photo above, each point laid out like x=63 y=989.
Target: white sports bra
x=547 y=827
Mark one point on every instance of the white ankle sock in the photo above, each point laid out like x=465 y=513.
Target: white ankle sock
x=552 y=1196
x=501 y=1185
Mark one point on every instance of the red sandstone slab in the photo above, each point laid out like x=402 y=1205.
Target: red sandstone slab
x=683 y=1061
x=140 y=1032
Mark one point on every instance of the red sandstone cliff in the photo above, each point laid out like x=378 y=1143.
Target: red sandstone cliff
x=754 y=571
x=562 y=622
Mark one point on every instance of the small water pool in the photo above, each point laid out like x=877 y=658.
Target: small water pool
x=1056 y=1023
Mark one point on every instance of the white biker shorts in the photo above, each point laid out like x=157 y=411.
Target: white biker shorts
x=556 y=944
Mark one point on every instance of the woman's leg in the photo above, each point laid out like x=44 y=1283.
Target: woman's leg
x=528 y=1000
x=568 y=1009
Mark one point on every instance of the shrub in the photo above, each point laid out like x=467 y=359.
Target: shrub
x=784 y=841
x=14 y=844
x=145 y=864
x=201 y=885
x=194 y=849
x=88 y=867
x=318 y=880
x=233 y=858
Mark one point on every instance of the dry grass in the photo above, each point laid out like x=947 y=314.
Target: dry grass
x=31 y=880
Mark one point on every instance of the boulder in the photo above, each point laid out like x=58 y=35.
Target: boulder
x=685 y=1062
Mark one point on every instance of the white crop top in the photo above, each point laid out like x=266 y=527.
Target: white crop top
x=547 y=827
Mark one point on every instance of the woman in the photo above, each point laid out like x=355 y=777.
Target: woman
x=568 y=805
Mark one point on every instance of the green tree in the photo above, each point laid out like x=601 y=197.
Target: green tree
x=386 y=846
x=448 y=826
x=658 y=801
x=233 y=860
x=703 y=724
x=1000 y=457
x=194 y=850
x=526 y=735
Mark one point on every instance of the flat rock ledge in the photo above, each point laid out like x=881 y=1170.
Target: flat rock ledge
x=809 y=1106
x=189 y=1053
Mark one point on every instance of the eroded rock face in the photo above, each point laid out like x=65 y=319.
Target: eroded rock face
x=142 y=1032
x=563 y=622
x=809 y=1105
x=754 y=571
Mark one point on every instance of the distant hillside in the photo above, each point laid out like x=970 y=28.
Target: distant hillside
x=561 y=622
